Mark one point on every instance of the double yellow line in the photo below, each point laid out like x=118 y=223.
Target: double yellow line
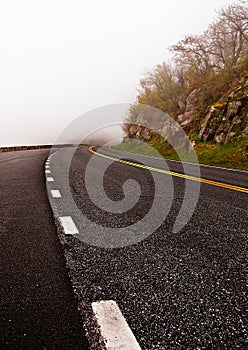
x=172 y=173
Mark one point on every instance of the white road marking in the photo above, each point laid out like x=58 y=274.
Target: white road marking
x=113 y=327
x=56 y=193
x=68 y=225
x=48 y=171
x=50 y=179
x=182 y=162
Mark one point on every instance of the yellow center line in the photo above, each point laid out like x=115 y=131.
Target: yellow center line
x=167 y=172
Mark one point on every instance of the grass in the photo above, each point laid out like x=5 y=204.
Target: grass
x=138 y=148
x=233 y=155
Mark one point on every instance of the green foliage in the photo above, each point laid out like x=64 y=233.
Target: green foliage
x=233 y=155
x=194 y=137
x=161 y=89
x=210 y=64
x=139 y=148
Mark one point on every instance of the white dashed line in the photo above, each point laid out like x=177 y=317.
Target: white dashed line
x=48 y=171
x=68 y=225
x=56 y=193
x=113 y=326
x=50 y=179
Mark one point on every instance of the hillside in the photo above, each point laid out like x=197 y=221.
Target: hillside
x=227 y=120
x=205 y=91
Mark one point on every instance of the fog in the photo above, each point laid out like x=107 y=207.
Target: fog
x=60 y=59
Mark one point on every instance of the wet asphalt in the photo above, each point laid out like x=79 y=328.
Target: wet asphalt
x=177 y=290
x=38 y=309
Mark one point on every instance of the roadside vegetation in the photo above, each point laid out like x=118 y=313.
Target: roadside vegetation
x=205 y=89
x=232 y=155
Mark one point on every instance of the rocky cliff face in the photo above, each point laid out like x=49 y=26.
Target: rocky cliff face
x=224 y=122
x=227 y=120
x=191 y=109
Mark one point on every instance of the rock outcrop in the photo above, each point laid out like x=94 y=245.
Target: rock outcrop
x=227 y=120
x=224 y=122
x=191 y=109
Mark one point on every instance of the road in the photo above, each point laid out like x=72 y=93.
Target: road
x=177 y=290
x=37 y=306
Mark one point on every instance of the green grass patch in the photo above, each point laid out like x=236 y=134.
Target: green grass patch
x=233 y=155
x=136 y=147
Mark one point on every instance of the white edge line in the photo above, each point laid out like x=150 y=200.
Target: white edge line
x=55 y=193
x=50 y=179
x=178 y=161
x=68 y=225
x=113 y=327
x=48 y=171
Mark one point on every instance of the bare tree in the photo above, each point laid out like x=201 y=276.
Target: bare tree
x=228 y=37
x=221 y=45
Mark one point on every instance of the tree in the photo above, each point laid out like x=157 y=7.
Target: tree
x=209 y=63
x=228 y=36
x=162 y=88
x=221 y=46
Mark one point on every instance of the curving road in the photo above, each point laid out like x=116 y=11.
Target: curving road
x=37 y=306
x=177 y=290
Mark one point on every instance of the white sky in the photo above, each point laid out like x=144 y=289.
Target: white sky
x=62 y=58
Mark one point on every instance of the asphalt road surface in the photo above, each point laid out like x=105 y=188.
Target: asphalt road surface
x=37 y=306
x=177 y=290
